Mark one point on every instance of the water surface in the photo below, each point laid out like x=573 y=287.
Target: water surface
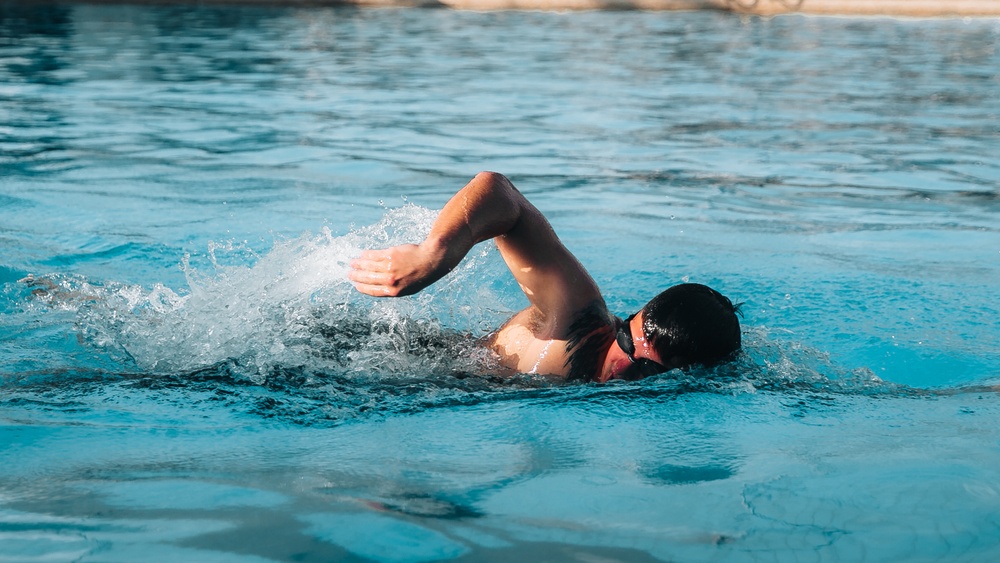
x=201 y=383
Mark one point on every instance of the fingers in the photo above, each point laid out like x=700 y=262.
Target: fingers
x=361 y=265
x=370 y=273
x=391 y=272
x=373 y=261
x=376 y=255
x=370 y=277
x=371 y=267
x=373 y=290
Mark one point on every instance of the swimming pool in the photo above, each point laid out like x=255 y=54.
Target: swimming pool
x=203 y=384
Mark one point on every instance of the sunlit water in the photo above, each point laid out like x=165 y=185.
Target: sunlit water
x=190 y=377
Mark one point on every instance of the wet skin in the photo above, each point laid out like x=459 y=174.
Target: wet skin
x=557 y=286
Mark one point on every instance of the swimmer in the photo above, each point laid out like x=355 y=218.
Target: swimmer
x=567 y=330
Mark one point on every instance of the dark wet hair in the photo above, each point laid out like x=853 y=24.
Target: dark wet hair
x=692 y=324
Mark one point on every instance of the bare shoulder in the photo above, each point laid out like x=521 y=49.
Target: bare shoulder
x=522 y=345
x=525 y=344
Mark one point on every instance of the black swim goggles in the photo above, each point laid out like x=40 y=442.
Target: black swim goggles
x=641 y=367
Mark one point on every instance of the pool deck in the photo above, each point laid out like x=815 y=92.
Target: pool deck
x=912 y=8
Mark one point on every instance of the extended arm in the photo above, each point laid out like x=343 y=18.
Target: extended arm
x=489 y=206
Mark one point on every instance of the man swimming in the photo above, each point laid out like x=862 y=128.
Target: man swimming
x=566 y=330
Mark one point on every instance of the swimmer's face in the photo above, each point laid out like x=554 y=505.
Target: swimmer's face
x=632 y=355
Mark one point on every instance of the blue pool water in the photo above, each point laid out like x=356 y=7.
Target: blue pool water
x=198 y=382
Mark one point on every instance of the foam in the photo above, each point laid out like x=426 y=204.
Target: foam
x=291 y=307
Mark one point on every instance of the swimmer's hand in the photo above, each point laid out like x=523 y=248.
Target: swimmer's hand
x=400 y=270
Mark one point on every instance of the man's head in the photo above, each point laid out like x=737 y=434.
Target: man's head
x=690 y=324
x=685 y=325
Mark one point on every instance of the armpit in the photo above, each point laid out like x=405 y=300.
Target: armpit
x=589 y=335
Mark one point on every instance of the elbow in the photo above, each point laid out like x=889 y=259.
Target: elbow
x=493 y=206
x=495 y=184
x=494 y=180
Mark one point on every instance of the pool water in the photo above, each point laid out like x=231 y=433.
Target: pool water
x=187 y=375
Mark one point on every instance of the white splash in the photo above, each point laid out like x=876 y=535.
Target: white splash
x=294 y=307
